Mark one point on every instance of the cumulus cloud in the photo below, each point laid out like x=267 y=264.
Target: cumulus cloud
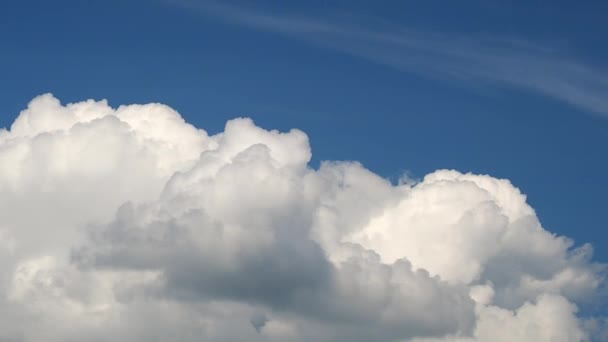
x=131 y=224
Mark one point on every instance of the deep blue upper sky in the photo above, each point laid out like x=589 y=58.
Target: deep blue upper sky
x=513 y=90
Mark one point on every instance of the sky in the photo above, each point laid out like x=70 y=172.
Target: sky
x=405 y=114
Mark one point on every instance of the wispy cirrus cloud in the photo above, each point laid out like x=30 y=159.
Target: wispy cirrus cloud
x=467 y=60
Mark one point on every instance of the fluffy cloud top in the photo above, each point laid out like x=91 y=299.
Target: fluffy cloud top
x=131 y=224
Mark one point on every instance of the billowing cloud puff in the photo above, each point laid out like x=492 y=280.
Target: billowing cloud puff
x=130 y=224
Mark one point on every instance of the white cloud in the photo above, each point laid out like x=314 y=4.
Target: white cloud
x=549 y=318
x=130 y=224
x=477 y=229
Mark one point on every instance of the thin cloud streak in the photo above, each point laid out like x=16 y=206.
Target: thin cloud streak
x=507 y=63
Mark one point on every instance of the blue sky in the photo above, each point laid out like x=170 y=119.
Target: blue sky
x=514 y=90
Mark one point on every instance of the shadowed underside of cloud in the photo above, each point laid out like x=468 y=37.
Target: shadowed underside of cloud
x=465 y=60
x=131 y=224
